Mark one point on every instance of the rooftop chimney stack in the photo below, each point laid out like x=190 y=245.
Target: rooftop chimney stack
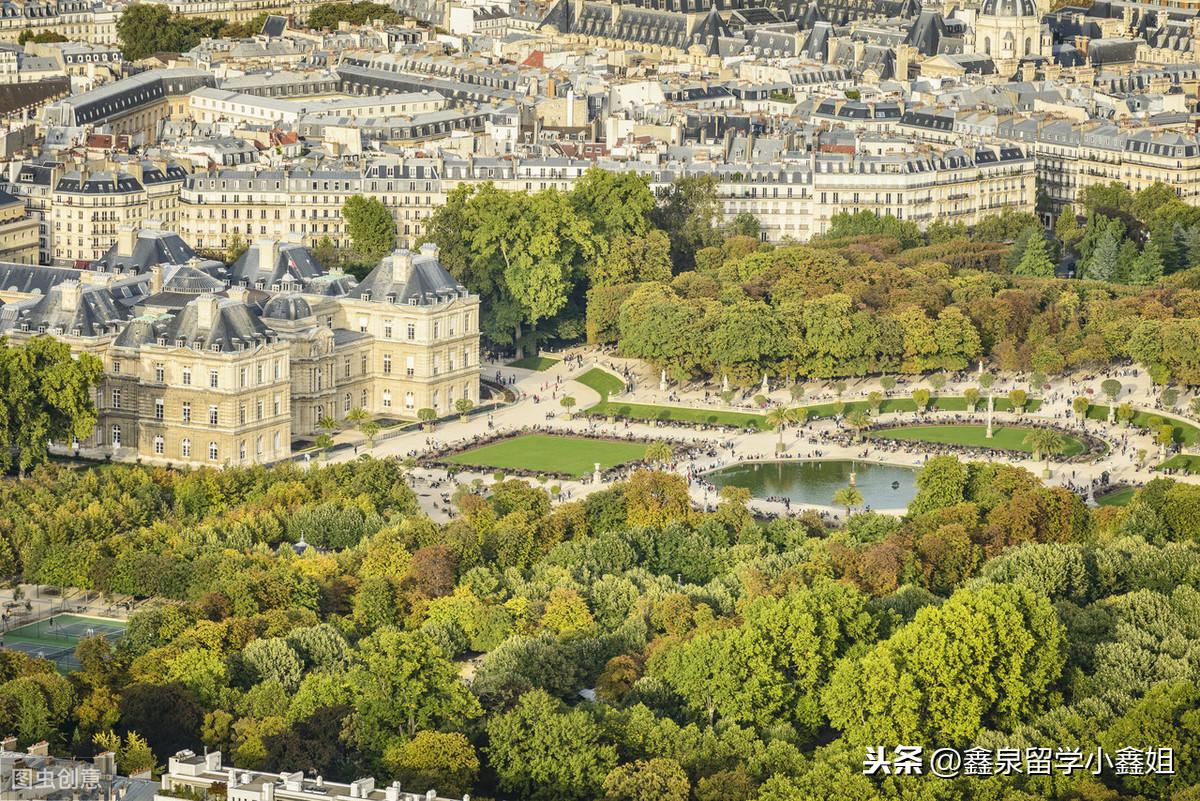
x=268 y=254
x=206 y=311
x=71 y=294
x=126 y=239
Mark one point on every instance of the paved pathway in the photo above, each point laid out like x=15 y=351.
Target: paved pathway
x=538 y=405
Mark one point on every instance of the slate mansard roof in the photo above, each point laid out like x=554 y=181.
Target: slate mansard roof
x=151 y=248
x=208 y=322
x=407 y=278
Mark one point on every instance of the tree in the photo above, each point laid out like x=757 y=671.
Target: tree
x=655 y=499
x=987 y=657
x=937 y=381
x=1044 y=441
x=323 y=443
x=1164 y=436
x=1111 y=388
x=1126 y=413
x=644 y=257
x=566 y=613
x=544 y=752
x=849 y=497
x=568 y=403
x=867 y=223
x=27 y=35
x=445 y=760
x=370 y=225
x=888 y=382
x=1103 y=263
x=427 y=415
x=1080 y=406
x=689 y=213
x=858 y=420
x=370 y=430
x=743 y=224
x=149 y=29
x=778 y=418
x=1169 y=397
x=921 y=399
x=971 y=396
x=1147 y=267
x=357 y=416
x=327 y=423
x=46 y=395
x=464 y=406
x=403 y=684
x=656 y=779
x=659 y=452
x=874 y=401
x=1018 y=398
x=133 y=755
x=1035 y=258
x=941 y=483
x=360 y=12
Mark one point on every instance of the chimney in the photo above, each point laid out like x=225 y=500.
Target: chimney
x=268 y=254
x=206 y=311
x=156 y=279
x=401 y=265
x=70 y=293
x=126 y=239
x=106 y=763
x=41 y=748
x=8 y=744
x=238 y=293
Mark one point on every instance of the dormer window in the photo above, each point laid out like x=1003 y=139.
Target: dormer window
x=162 y=341
x=179 y=343
x=215 y=347
x=365 y=296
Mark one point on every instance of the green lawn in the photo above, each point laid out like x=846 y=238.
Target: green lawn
x=538 y=363
x=949 y=403
x=548 y=453
x=1009 y=438
x=1121 y=497
x=681 y=414
x=1185 y=432
x=678 y=414
x=602 y=381
x=1183 y=462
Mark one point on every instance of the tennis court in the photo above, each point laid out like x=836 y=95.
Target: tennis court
x=55 y=638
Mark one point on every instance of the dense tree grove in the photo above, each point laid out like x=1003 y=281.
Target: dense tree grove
x=858 y=302
x=668 y=280
x=149 y=28
x=730 y=659
x=46 y=394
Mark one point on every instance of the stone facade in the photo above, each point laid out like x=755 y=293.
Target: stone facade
x=212 y=364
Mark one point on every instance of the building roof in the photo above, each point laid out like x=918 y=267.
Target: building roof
x=407 y=278
x=150 y=247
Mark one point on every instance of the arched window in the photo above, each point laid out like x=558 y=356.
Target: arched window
x=1028 y=45
x=987 y=45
